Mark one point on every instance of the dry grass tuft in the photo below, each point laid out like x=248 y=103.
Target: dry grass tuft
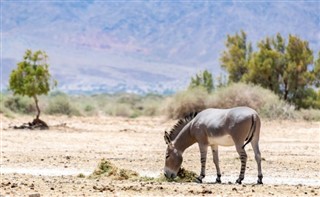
x=107 y=169
x=184 y=176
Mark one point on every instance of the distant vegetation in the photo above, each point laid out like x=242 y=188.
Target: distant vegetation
x=280 y=80
x=268 y=104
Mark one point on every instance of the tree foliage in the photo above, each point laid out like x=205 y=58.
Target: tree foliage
x=32 y=77
x=204 y=80
x=236 y=58
x=316 y=71
x=286 y=68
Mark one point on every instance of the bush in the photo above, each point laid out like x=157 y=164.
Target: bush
x=265 y=102
x=61 y=105
x=20 y=104
x=310 y=114
x=122 y=109
x=149 y=105
x=185 y=102
x=4 y=110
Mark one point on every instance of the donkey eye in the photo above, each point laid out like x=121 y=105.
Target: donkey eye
x=167 y=156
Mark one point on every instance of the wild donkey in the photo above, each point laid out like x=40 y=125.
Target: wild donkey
x=212 y=127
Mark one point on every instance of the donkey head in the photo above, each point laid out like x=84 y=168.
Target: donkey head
x=173 y=159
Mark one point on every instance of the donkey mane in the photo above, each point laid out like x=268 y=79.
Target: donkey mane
x=180 y=124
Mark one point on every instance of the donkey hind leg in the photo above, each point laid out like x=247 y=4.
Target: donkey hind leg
x=243 y=158
x=203 y=159
x=257 y=155
x=215 y=155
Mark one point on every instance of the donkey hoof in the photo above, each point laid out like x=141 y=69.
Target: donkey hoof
x=259 y=182
x=198 y=180
x=260 y=179
x=218 y=180
x=238 y=181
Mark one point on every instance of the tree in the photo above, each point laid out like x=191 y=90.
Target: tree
x=287 y=68
x=266 y=66
x=236 y=57
x=203 y=79
x=316 y=71
x=32 y=77
x=284 y=68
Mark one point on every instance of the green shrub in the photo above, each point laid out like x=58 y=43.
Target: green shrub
x=20 y=104
x=61 y=105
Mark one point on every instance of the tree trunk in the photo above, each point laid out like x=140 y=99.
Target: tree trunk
x=286 y=92
x=38 y=109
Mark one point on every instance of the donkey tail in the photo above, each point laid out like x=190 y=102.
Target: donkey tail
x=252 y=130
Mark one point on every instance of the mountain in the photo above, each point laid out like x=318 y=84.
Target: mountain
x=142 y=46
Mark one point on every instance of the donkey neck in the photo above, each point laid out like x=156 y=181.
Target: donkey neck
x=184 y=139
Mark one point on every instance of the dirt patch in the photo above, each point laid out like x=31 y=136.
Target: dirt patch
x=290 y=152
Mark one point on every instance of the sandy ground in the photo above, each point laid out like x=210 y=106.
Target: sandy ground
x=47 y=163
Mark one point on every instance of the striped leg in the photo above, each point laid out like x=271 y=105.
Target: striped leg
x=203 y=159
x=243 y=158
x=215 y=155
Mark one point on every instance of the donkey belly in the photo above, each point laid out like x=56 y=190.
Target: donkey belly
x=225 y=140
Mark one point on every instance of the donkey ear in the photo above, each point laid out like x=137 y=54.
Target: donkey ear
x=167 y=138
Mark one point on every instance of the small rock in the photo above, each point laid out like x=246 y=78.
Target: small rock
x=34 y=195
x=14 y=185
x=234 y=189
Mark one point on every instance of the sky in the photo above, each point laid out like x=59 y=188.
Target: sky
x=142 y=45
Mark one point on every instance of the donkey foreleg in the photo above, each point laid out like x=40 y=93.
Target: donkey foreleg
x=215 y=155
x=203 y=159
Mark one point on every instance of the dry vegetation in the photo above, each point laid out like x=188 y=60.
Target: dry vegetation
x=176 y=106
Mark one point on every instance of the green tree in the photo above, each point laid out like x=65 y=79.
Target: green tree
x=297 y=78
x=203 y=79
x=286 y=69
x=316 y=71
x=236 y=57
x=32 y=77
x=266 y=66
